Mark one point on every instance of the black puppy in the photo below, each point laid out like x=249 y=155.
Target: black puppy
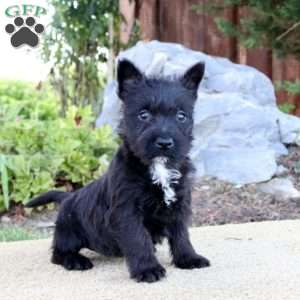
x=146 y=193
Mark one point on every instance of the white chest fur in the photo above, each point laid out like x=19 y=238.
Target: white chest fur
x=164 y=177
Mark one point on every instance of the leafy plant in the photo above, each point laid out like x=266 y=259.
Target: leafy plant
x=40 y=150
x=287 y=107
x=292 y=88
x=21 y=100
x=4 y=180
x=269 y=23
x=76 y=44
x=82 y=37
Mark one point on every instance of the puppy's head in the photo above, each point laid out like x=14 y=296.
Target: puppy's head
x=158 y=113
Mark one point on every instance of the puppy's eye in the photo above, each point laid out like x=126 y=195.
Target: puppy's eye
x=181 y=116
x=144 y=115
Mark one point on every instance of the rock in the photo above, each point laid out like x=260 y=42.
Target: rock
x=111 y=107
x=239 y=132
x=45 y=224
x=281 y=170
x=289 y=128
x=236 y=165
x=281 y=188
x=5 y=219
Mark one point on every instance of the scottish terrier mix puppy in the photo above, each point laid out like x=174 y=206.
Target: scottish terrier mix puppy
x=146 y=193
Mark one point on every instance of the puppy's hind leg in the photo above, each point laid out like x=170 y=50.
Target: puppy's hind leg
x=66 y=247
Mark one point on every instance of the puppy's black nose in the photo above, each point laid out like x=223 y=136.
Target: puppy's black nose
x=164 y=143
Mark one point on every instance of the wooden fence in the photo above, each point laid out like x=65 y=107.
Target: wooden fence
x=175 y=21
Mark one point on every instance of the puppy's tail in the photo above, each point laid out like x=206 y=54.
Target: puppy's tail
x=49 y=197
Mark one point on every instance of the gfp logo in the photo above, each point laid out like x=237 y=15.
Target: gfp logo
x=25 y=30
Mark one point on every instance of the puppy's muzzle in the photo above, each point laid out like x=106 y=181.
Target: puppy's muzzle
x=164 y=143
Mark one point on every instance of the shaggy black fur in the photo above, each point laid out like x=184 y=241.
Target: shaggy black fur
x=123 y=213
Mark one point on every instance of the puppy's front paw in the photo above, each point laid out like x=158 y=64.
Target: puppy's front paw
x=150 y=275
x=77 y=262
x=192 y=262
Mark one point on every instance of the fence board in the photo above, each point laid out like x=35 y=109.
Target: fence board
x=193 y=27
x=148 y=16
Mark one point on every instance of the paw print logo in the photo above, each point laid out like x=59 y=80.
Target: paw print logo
x=24 y=34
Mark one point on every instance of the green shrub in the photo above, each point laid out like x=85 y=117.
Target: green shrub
x=40 y=150
x=24 y=100
x=292 y=88
x=287 y=107
x=269 y=23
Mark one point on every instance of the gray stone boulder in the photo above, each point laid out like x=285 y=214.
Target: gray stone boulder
x=239 y=131
x=281 y=188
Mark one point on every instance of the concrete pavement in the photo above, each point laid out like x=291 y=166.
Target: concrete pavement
x=249 y=261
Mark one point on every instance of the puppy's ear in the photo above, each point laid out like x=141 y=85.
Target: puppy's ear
x=127 y=74
x=193 y=76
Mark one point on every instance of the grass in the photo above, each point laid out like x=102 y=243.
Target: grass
x=14 y=233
